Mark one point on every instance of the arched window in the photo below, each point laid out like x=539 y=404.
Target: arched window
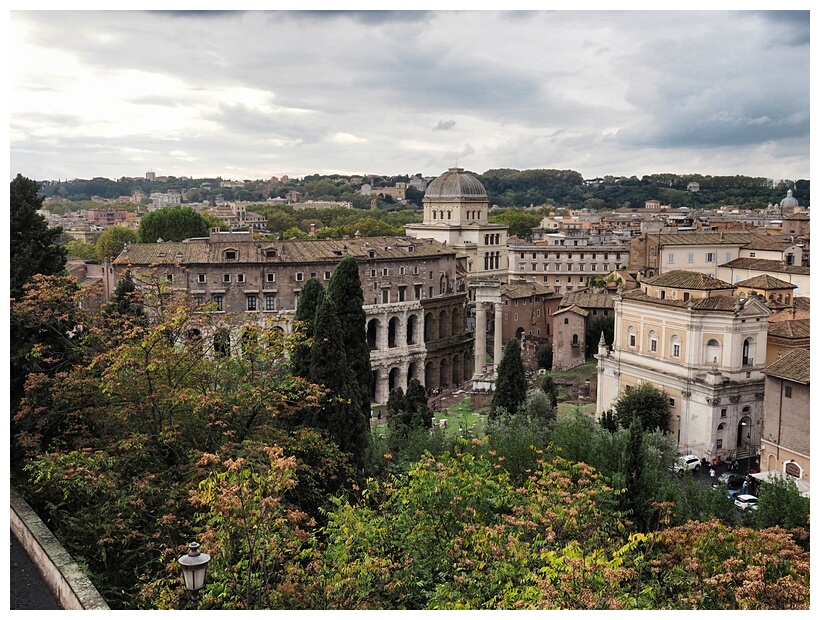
x=653 y=341
x=674 y=345
x=712 y=353
x=575 y=340
x=748 y=352
x=631 y=336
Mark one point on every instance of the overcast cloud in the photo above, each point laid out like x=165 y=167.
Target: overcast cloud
x=250 y=95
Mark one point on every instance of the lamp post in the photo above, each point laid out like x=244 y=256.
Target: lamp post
x=194 y=566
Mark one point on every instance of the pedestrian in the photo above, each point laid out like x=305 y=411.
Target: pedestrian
x=712 y=473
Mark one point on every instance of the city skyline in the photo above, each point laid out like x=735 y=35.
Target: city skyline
x=250 y=95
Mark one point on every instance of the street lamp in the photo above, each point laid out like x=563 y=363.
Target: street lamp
x=194 y=566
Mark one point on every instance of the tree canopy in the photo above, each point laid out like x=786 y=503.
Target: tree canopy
x=34 y=247
x=111 y=242
x=173 y=224
x=511 y=381
x=645 y=402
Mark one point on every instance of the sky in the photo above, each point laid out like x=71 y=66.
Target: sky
x=250 y=95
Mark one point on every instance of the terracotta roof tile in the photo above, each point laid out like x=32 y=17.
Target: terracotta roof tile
x=762 y=264
x=794 y=366
x=680 y=278
x=765 y=282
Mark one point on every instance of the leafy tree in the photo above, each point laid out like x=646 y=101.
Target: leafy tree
x=544 y=356
x=345 y=289
x=310 y=298
x=172 y=224
x=34 y=246
x=782 y=505
x=540 y=407
x=636 y=499
x=125 y=300
x=113 y=240
x=605 y=325
x=646 y=402
x=80 y=249
x=511 y=382
x=550 y=389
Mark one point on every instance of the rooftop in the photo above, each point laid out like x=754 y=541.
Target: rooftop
x=794 y=366
x=680 y=278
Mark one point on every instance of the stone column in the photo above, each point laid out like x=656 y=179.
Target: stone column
x=497 y=350
x=480 y=339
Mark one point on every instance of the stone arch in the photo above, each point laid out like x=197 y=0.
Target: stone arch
x=430 y=372
x=392 y=332
x=412 y=324
x=442 y=324
x=455 y=321
x=444 y=373
x=712 y=352
x=458 y=369
x=393 y=379
x=428 y=327
x=373 y=334
x=519 y=333
x=412 y=370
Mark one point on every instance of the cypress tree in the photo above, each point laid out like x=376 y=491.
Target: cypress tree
x=310 y=298
x=34 y=247
x=511 y=383
x=340 y=414
x=345 y=289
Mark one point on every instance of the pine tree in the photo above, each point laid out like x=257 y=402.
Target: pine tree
x=35 y=247
x=123 y=300
x=511 y=383
x=345 y=288
x=340 y=414
x=310 y=298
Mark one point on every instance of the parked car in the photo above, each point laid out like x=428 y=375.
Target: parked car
x=732 y=493
x=733 y=481
x=746 y=502
x=690 y=462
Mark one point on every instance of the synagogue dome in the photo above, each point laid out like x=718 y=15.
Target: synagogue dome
x=455 y=184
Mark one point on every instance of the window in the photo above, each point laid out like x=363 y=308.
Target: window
x=670 y=259
x=719 y=443
x=240 y=277
x=728 y=256
x=372 y=273
x=385 y=271
x=200 y=277
x=723 y=413
x=251 y=299
x=752 y=254
x=199 y=299
x=231 y=254
x=402 y=293
x=226 y=278
x=300 y=276
x=710 y=257
x=566 y=321
x=671 y=402
x=218 y=299
x=690 y=258
x=417 y=291
x=431 y=276
x=415 y=270
x=787 y=391
x=653 y=345
x=401 y=271
x=170 y=277
x=515 y=316
x=675 y=349
x=270 y=277
x=270 y=302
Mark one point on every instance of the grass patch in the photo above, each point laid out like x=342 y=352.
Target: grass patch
x=463 y=416
x=564 y=408
x=580 y=373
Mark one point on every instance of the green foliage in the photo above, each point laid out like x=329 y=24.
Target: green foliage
x=113 y=240
x=541 y=407
x=646 y=402
x=550 y=389
x=544 y=356
x=519 y=221
x=34 y=247
x=605 y=325
x=310 y=298
x=80 y=249
x=781 y=504
x=172 y=224
x=511 y=382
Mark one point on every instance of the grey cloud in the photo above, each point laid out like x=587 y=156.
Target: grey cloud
x=444 y=125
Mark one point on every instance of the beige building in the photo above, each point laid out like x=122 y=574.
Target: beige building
x=686 y=333
x=455 y=214
x=785 y=445
x=414 y=293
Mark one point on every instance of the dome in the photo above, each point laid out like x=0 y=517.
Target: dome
x=789 y=200
x=455 y=184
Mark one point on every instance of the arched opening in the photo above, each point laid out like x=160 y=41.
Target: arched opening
x=442 y=324
x=428 y=327
x=444 y=374
x=412 y=320
x=458 y=371
x=455 y=321
x=748 y=352
x=430 y=375
x=712 y=354
x=393 y=379
x=392 y=330
x=744 y=432
x=412 y=369
x=373 y=334
x=222 y=343
x=519 y=333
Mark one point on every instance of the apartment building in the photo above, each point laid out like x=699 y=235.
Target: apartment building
x=414 y=293
x=568 y=261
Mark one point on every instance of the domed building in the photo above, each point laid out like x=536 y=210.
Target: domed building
x=455 y=213
x=789 y=204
